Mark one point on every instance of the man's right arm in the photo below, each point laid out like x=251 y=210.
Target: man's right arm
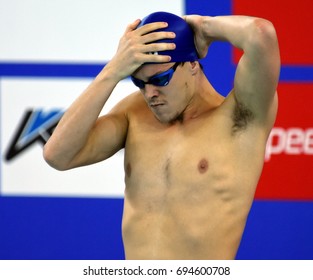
x=81 y=137
x=75 y=140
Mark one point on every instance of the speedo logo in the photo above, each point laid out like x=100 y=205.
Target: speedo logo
x=291 y=141
x=36 y=126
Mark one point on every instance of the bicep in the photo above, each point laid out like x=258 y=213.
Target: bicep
x=257 y=74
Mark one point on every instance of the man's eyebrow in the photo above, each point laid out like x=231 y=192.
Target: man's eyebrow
x=149 y=77
x=159 y=72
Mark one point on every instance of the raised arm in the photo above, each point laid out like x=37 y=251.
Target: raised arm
x=257 y=72
x=81 y=137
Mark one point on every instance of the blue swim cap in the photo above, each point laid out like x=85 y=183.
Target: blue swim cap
x=184 y=40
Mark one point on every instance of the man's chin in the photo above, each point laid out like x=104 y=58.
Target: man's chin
x=169 y=119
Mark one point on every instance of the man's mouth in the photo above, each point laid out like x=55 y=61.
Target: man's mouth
x=156 y=104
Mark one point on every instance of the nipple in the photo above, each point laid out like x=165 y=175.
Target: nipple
x=203 y=166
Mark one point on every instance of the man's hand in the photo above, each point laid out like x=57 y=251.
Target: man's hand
x=202 y=40
x=136 y=47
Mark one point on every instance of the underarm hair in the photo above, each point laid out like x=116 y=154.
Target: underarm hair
x=242 y=116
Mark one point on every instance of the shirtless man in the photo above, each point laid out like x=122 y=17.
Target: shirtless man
x=192 y=157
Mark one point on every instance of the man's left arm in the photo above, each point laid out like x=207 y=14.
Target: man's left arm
x=257 y=72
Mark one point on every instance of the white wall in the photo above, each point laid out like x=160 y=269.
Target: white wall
x=70 y=30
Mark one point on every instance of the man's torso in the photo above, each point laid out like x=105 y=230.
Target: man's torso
x=189 y=185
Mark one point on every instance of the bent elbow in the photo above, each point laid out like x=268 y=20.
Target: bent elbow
x=263 y=32
x=263 y=42
x=51 y=159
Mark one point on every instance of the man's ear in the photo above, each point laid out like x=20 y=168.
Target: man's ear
x=194 y=67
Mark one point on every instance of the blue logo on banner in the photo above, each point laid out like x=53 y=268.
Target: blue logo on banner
x=36 y=126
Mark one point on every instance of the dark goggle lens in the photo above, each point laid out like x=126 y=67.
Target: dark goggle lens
x=159 y=80
x=137 y=82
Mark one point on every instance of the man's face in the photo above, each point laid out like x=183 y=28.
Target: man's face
x=166 y=102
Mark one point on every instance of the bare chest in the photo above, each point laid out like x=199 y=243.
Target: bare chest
x=162 y=160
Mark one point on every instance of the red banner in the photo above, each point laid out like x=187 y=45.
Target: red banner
x=288 y=169
x=293 y=21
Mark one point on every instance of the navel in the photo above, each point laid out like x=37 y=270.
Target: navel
x=203 y=165
x=128 y=170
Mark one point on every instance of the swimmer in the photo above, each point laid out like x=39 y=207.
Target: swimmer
x=193 y=158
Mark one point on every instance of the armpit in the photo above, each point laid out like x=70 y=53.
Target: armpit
x=242 y=116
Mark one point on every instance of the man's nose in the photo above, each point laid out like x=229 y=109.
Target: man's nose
x=151 y=91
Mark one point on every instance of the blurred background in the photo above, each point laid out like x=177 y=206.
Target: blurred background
x=51 y=50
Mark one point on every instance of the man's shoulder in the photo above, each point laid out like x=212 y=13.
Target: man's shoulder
x=129 y=103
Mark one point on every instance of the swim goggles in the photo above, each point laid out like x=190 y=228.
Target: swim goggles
x=159 y=80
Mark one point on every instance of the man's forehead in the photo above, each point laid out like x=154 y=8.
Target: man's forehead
x=148 y=70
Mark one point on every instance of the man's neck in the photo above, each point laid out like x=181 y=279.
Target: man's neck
x=204 y=99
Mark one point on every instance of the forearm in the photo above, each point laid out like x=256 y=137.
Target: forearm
x=243 y=32
x=72 y=132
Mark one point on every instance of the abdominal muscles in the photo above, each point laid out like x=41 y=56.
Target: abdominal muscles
x=191 y=214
